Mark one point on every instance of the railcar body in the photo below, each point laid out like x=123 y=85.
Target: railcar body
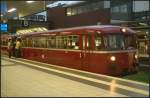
x=109 y=50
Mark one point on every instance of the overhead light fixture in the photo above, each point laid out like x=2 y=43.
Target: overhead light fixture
x=12 y=9
x=144 y=24
x=30 y=1
x=64 y=3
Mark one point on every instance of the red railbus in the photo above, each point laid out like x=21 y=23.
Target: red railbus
x=102 y=49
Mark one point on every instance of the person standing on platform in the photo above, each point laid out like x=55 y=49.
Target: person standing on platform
x=9 y=47
x=18 y=47
x=13 y=46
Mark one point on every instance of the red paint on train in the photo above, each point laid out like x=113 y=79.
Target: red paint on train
x=87 y=59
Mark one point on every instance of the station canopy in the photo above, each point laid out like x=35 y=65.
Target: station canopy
x=26 y=8
x=31 y=30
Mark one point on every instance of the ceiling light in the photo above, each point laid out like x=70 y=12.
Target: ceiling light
x=12 y=9
x=144 y=24
x=30 y=1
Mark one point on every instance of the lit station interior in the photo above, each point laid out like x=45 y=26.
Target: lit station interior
x=97 y=48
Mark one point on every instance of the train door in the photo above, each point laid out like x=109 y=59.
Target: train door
x=86 y=51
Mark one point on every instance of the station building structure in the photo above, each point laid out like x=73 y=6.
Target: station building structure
x=130 y=13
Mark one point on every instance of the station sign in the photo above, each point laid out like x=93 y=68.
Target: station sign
x=4 y=27
x=25 y=23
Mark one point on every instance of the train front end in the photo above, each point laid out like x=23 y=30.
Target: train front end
x=122 y=62
x=118 y=51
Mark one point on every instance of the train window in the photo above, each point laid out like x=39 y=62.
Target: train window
x=24 y=42
x=83 y=41
x=113 y=42
x=51 y=42
x=98 y=42
x=69 y=11
x=130 y=42
x=64 y=42
x=42 y=42
x=89 y=42
x=58 y=42
x=73 y=42
x=67 y=42
x=35 y=42
x=29 y=42
x=39 y=42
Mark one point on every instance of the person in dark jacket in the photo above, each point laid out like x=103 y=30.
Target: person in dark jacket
x=13 y=46
x=18 y=47
x=9 y=47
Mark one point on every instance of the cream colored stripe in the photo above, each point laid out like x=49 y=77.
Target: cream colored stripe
x=117 y=51
x=87 y=51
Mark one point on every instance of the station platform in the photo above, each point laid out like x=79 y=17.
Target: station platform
x=26 y=78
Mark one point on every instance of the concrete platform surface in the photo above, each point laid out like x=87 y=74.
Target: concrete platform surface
x=18 y=80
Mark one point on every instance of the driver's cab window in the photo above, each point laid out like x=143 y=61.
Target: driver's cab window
x=130 y=42
x=98 y=42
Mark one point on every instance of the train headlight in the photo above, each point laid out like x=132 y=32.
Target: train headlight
x=123 y=29
x=136 y=56
x=113 y=58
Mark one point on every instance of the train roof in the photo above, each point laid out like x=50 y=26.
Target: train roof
x=92 y=27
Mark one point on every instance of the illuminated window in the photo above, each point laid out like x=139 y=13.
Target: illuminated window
x=59 y=42
x=42 y=42
x=68 y=11
x=98 y=42
x=51 y=42
x=67 y=42
x=24 y=42
x=113 y=42
x=74 y=11
x=139 y=6
x=86 y=8
x=115 y=9
x=123 y=8
x=89 y=42
x=130 y=42
x=29 y=42
x=106 y=4
x=73 y=42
